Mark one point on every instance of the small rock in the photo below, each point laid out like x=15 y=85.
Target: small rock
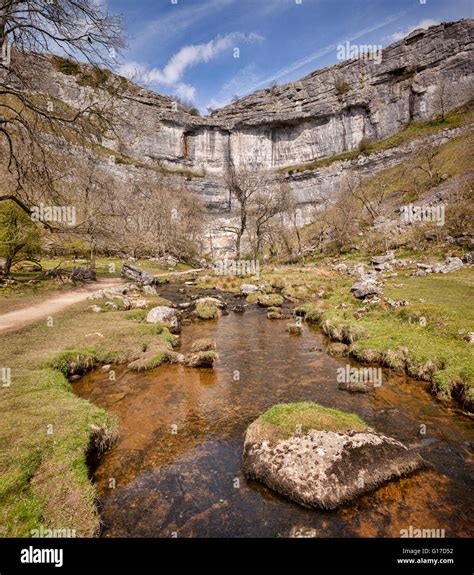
x=359 y=387
x=247 y=289
x=204 y=344
x=294 y=328
x=201 y=359
x=362 y=289
x=469 y=337
x=167 y=316
x=96 y=309
x=149 y=290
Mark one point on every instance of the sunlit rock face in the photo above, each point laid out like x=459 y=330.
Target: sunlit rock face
x=296 y=122
x=284 y=126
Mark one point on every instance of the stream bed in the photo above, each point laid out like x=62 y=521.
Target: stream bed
x=175 y=471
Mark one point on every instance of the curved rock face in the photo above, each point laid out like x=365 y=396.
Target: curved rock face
x=325 y=469
x=296 y=122
x=284 y=126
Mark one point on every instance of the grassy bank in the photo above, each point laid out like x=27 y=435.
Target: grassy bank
x=423 y=339
x=46 y=430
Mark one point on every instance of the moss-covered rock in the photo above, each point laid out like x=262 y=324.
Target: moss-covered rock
x=270 y=300
x=207 y=308
x=322 y=457
x=201 y=359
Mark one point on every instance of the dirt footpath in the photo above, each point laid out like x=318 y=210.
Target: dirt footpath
x=54 y=304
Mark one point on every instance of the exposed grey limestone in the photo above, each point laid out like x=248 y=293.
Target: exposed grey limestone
x=452 y=264
x=247 y=289
x=284 y=126
x=362 y=289
x=325 y=469
x=165 y=315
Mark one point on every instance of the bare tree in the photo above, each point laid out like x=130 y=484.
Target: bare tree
x=441 y=99
x=264 y=206
x=243 y=185
x=78 y=28
x=370 y=198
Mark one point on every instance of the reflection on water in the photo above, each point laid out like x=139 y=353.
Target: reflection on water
x=177 y=465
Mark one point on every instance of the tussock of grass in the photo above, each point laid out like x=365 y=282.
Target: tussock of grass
x=286 y=419
x=206 y=310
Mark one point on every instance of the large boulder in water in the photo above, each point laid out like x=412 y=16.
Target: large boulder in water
x=166 y=316
x=321 y=457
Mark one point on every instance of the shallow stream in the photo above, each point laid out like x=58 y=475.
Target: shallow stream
x=176 y=468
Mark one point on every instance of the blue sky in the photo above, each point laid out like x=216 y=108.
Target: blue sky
x=189 y=47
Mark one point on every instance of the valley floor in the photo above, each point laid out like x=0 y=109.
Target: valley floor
x=48 y=430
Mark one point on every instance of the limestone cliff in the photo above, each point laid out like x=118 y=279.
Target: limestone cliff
x=326 y=113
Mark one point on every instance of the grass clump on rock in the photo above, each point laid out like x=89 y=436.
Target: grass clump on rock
x=322 y=457
x=206 y=309
x=270 y=300
x=285 y=419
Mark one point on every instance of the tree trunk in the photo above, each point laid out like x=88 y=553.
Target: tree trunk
x=92 y=258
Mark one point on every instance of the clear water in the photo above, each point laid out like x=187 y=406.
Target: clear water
x=176 y=467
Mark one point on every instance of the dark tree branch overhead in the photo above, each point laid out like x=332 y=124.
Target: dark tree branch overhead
x=82 y=30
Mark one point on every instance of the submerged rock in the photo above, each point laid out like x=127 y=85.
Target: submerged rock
x=321 y=457
x=201 y=359
x=204 y=344
x=355 y=387
x=294 y=328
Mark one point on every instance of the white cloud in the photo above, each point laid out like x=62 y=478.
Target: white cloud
x=423 y=24
x=172 y=74
x=192 y=55
x=236 y=86
x=132 y=70
x=185 y=91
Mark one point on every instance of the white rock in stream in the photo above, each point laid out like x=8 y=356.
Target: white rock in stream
x=325 y=469
x=165 y=315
